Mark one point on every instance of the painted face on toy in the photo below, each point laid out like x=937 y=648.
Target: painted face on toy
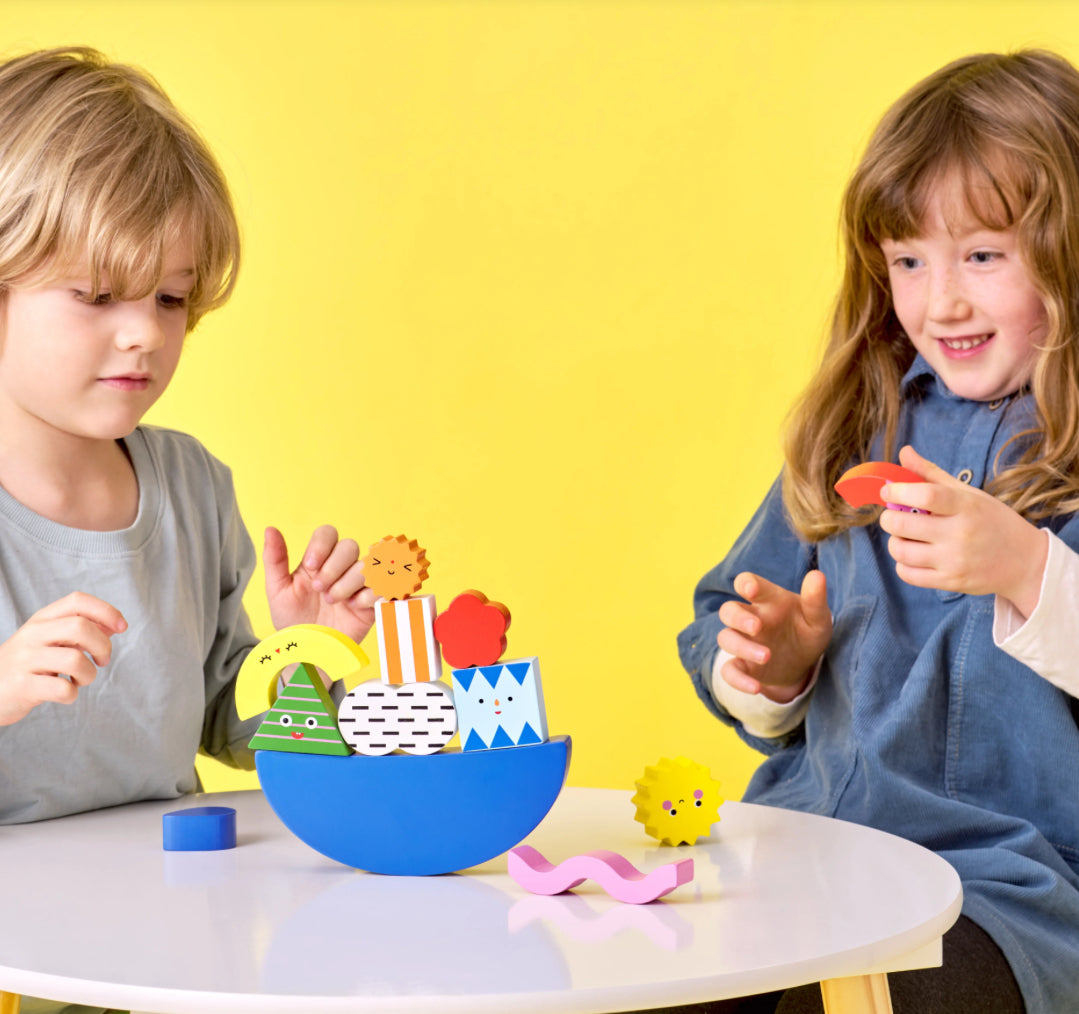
x=395 y=567
x=681 y=817
x=677 y=801
x=279 y=654
x=293 y=727
x=500 y=705
x=303 y=720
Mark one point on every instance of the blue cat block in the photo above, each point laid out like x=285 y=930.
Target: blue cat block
x=413 y=815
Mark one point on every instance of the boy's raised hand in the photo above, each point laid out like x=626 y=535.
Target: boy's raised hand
x=969 y=541
x=775 y=636
x=327 y=586
x=67 y=638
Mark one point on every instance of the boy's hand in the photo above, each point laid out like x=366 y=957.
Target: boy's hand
x=775 y=636
x=54 y=643
x=969 y=541
x=326 y=587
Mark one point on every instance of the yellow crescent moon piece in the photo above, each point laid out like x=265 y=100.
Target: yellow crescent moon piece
x=336 y=654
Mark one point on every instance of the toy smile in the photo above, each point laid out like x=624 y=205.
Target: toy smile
x=296 y=734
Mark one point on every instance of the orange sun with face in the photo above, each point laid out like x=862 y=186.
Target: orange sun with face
x=395 y=567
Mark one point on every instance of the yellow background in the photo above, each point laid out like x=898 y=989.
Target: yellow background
x=532 y=282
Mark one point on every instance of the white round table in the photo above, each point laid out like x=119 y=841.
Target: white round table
x=96 y=912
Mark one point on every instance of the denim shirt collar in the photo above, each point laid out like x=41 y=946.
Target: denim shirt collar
x=920 y=372
x=921 y=375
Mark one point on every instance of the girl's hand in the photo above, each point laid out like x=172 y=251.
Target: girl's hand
x=53 y=644
x=775 y=636
x=326 y=587
x=969 y=541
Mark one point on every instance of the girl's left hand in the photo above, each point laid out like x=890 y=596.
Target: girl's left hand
x=968 y=542
x=327 y=586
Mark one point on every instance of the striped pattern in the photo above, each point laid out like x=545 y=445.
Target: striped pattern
x=407 y=649
x=301 y=721
x=376 y=718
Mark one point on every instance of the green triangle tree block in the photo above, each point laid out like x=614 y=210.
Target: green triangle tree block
x=302 y=720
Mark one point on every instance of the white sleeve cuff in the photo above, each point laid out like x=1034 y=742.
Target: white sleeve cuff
x=759 y=715
x=1045 y=640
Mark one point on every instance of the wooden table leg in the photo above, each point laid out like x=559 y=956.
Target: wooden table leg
x=9 y=1003
x=860 y=994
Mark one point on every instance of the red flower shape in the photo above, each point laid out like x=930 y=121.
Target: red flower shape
x=472 y=630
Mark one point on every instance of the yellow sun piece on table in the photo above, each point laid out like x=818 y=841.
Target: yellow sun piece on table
x=677 y=801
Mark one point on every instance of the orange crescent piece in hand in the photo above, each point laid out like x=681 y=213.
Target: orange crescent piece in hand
x=862 y=484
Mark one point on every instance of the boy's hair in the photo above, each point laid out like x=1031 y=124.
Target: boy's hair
x=96 y=160
x=1007 y=128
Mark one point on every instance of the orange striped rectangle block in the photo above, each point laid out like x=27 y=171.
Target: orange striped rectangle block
x=407 y=649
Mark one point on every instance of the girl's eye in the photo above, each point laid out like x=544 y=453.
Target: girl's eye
x=906 y=263
x=984 y=256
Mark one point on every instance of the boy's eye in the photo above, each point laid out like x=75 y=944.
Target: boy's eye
x=101 y=299
x=172 y=302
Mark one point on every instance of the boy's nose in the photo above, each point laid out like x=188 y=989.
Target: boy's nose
x=138 y=327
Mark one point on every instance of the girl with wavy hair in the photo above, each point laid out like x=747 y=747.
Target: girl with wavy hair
x=913 y=668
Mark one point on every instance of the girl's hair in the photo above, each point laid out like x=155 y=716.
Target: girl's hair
x=96 y=161
x=1006 y=127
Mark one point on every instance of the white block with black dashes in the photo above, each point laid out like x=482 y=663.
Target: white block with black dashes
x=376 y=718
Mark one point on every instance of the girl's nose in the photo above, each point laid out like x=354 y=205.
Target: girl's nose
x=946 y=299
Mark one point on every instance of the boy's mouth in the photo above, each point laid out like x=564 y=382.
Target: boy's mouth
x=128 y=382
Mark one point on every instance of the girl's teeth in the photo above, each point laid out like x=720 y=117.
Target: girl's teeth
x=965 y=343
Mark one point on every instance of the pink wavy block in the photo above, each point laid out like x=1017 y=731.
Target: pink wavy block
x=614 y=873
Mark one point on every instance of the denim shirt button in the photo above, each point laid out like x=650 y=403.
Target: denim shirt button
x=994 y=405
x=965 y=476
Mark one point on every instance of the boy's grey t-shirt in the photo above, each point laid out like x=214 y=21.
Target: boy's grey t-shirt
x=178 y=576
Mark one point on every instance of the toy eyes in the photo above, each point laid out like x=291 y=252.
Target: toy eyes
x=310 y=721
x=291 y=645
x=673 y=810
x=265 y=658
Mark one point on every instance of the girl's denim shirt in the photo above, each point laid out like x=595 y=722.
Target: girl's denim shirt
x=919 y=725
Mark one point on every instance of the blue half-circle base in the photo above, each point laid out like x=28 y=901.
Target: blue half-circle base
x=413 y=815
